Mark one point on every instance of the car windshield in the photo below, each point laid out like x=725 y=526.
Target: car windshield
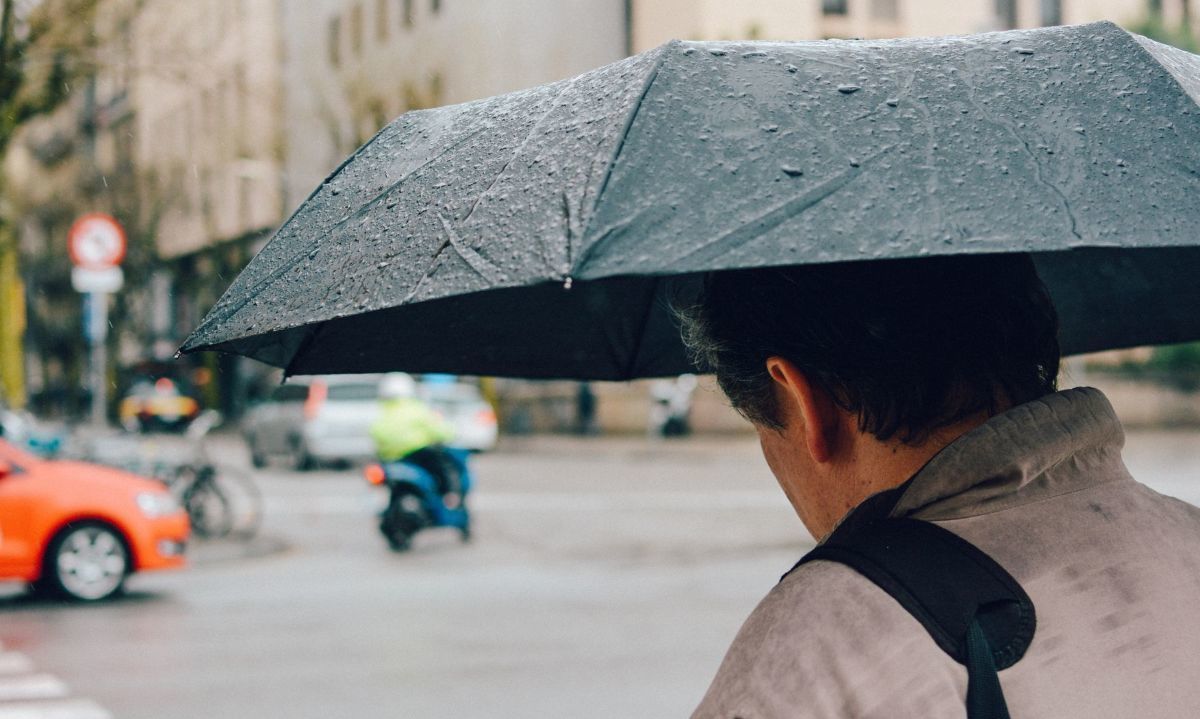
x=353 y=392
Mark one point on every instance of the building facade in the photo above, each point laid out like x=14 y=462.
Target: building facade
x=657 y=21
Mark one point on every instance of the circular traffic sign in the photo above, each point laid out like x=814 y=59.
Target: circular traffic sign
x=96 y=241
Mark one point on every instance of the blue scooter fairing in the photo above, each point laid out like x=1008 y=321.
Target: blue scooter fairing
x=404 y=477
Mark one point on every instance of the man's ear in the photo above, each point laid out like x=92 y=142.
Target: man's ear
x=808 y=403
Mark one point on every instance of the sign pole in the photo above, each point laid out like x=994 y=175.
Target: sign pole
x=97 y=333
x=97 y=246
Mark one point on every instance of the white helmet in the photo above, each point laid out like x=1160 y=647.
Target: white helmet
x=397 y=385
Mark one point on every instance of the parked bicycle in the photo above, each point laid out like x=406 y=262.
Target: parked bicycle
x=221 y=500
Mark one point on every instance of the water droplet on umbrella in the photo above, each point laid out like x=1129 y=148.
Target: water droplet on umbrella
x=892 y=101
x=1023 y=50
x=848 y=89
x=754 y=53
x=854 y=162
x=718 y=53
x=792 y=171
x=793 y=69
x=336 y=191
x=771 y=128
x=1121 y=163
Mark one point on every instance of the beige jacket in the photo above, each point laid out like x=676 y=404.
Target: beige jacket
x=1113 y=569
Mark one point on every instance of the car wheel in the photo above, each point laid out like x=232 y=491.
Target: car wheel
x=86 y=562
x=302 y=461
x=257 y=458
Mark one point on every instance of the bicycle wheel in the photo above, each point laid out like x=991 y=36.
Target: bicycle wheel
x=244 y=497
x=208 y=508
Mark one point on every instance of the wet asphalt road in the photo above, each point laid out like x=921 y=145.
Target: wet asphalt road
x=606 y=579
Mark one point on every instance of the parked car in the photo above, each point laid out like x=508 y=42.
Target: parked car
x=157 y=405
x=78 y=530
x=313 y=420
x=463 y=406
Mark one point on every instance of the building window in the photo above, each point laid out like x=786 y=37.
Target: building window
x=888 y=10
x=835 y=7
x=356 y=29
x=335 y=41
x=1051 y=12
x=406 y=13
x=1006 y=13
x=435 y=6
x=381 y=19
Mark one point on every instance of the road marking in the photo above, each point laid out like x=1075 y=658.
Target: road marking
x=32 y=686
x=59 y=709
x=14 y=663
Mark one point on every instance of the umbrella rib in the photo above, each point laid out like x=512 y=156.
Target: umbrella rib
x=640 y=337
x=517 y=152
x=612 y=161
x=781 y=213
x=474 y=260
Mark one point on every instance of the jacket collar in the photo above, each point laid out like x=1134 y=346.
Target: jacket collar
x=1061 y=443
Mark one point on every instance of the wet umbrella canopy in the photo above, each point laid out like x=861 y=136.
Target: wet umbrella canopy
x=540 y=233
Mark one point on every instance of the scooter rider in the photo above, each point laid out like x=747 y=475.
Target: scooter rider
x=408 y=430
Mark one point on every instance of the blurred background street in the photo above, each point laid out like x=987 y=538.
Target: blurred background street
x=606 y=579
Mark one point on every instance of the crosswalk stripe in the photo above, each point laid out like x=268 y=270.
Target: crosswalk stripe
x=14 y=663
x=57 y=709
x=32 y=686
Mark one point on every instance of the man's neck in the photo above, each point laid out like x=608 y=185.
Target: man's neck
x=876 y=466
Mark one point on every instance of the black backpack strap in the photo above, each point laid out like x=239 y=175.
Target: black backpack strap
x=975 y=611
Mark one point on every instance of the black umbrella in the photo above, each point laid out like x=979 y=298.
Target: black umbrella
x=541 y=233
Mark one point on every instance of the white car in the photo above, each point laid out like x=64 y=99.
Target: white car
x=316 y=420
x=462 y=405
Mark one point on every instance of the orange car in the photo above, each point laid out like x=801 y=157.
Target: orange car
x=77 y=530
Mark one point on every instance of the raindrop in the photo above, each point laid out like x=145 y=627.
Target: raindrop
x=854 y=162
x=104 y=179
x=383 y=264
x=1023 y=50
x=892 y=101
x=792 y=171
x=718 y=53
x=754 y=53
x=567 y=283
x=312 y=254
x=1079 y=129
x=770 y=128
x=336 y=191
x=793 y=69
x=1121 y=163
x=848 y=89
x=689 y=51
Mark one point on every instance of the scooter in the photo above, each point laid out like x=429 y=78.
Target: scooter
x=416 y=502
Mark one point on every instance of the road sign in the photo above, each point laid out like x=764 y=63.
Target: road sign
x=96 y=241
x=86 y=279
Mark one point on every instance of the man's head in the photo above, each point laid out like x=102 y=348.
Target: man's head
x=846 y=359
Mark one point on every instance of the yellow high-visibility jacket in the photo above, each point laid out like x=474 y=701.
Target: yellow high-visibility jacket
x=405 y=425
